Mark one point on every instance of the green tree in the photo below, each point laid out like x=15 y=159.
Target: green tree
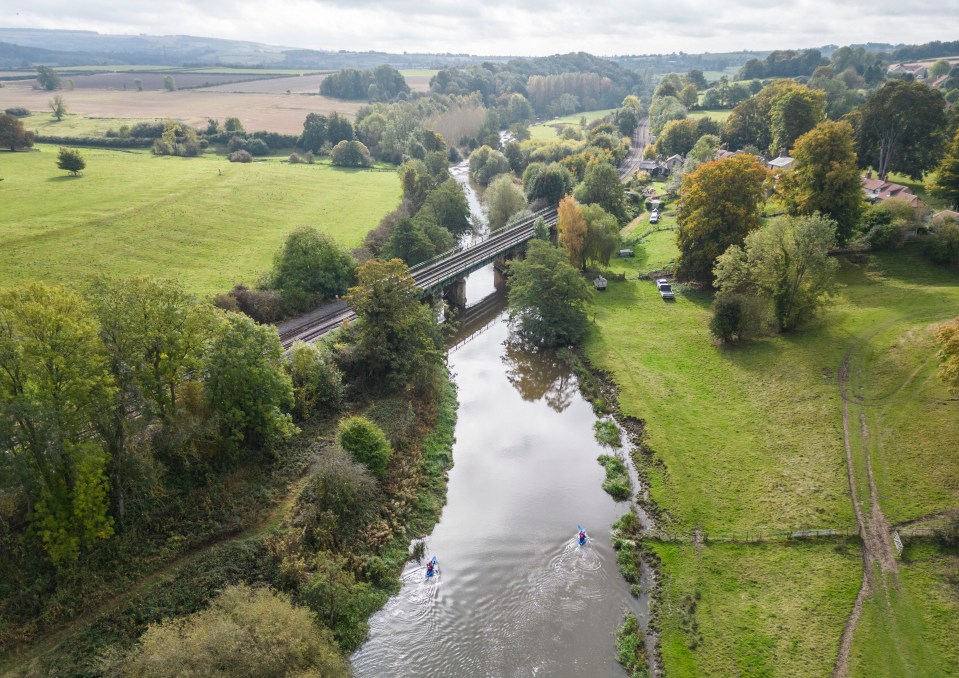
x=548 y=296
x=340 y=601
x=786 y=262
x=825 y=177
x=720 y=204
x=747 y=125
x=540 y=229
x=13 y=134
x=549 y=183
x=677 y=137
x=689 y=96
x=396 y=339
x=314 y=132
x=246 y=632
x=486 y=163
x=793 y=111
x=317 y=381
x=366 y=443
x=900 y=128
x=233 y=124
x=47 y=78
x=69 y=159
x=664 y=109
x=169 y=83
x=945 y=183
x=350 y=154
x=602 y=235
x=409 y=242
x=726 y=323
x=696 y=77
x=54 y=383
x=311 y=266
x=601 y=186
x=940 y=68
x=448 y=207
x=245 y=381
x=58 y=107
x=503 y=199
x=339 y=128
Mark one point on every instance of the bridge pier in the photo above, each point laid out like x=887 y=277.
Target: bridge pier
x=455 y=293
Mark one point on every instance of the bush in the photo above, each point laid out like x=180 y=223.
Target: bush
x=240 y=156
x=366 y=443
x=728 y=316
x=317 y=381
x=617 y=484
x=294 y=159
x=631 y=648
x=264 y=306
x=607 y=433
x=942 y=245
x=311 y=265
x=351 y=154
x=245 y=632
x=17 y=112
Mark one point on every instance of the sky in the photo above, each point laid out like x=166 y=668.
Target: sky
x=508 y=27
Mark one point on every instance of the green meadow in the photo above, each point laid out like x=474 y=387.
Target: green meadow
x=550 y=129
x=749 y=438
x=205 y=221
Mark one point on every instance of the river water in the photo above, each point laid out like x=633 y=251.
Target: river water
x=515 y=595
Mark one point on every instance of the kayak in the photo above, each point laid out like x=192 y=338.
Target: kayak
x=581 y=535
x=430 y=572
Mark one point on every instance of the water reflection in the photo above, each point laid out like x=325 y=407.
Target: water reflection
x=540 y=374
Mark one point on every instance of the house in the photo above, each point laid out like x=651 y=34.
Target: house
x=673 y=163
x=877 y=190
x=783 y=162
x=918 y=71
x=654 y=168
x=723 y=154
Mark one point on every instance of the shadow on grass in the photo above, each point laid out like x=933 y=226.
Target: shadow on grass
x=68 y=177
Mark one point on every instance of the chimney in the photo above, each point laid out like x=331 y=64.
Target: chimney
x=869 y=174
x=782 y=152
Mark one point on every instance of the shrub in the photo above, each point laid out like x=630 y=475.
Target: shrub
x=942 y=245
x=728 y=316
x=240 y=156
x=17 y=112
x=294 y=159
x=264 y=306
x=317 y=381
x=617 y=484
x=351 y=154
x=607 y=433
x=310 y=265
x=631 y=648
x=245 y=632
x=366 y=443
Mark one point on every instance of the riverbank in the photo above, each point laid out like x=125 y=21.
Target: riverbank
x=747 y=441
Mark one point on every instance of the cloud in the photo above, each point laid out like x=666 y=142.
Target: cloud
x=509 y=27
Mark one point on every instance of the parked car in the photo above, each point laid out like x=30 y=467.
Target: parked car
x=654 y=218
x=665 y=289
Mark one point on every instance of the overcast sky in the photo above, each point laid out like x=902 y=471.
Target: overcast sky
x=508 y=27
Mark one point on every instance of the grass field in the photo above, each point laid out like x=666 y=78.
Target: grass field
x=208 y=222
x=750 y=438
x=718 y=116
x=550 y=129
x=76 y=125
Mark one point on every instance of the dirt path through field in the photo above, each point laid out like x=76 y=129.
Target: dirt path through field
x=874 y=529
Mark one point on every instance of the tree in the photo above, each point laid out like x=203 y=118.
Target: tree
x=726 y=323
x=601 y=186
x=664 y=109
x=793 y=111
x=602 y=235
x=366 y=443
x=900 y=128
x=69 y=159
x=571 y=225
x=58 y=107
x=786 y=262
x=245 y=382
x=233 y=124
x=486 y=163
x=314 y=132
x=396 y=338
x=548 y=183
x=540 y=229
x=503 y=199
x=945 y=183
x=340 y=601
x=825 y=177
x=246 y=632
x=350 y=154
x=548 y=296
x=948 y=337
x=317 y=381
x=13 y=134
x=747 y=125
x=311 y=266
x=689 y=95
x=695 y=77
x=339 y=129
x=720 y=204
x=169 y=84
x=54 y=383
x=409 y=242
x=447 y=206
x=940 y=68
x=47 y=78
x=677 y=137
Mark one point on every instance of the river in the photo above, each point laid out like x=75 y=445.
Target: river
x=515 y=595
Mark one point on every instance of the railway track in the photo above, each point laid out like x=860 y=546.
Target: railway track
x=448 y=266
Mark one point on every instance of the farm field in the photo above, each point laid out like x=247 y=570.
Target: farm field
x=298 y=84
x=149 y=79
x=75 y=125
x=718 y=116
x=205 y=221
x=750 y=439
x=274 y=112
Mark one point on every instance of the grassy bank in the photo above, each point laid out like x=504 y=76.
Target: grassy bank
x=550 y=129
x=206 y=221
x=749 y=438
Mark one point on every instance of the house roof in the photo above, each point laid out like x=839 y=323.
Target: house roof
x=782 y=161
x=648 y=164
x=883 y=190
x=675 y=157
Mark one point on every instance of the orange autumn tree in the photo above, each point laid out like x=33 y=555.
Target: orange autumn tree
x=572 y=231
x=948 y=337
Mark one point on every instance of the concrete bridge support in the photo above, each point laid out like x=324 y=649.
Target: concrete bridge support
x=455 y=293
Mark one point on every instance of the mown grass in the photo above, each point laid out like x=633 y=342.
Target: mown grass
x=205 y=221
x=718 y=116
x=43 y=123
x=912 y=630
x=550 y=129
x=756 y=610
